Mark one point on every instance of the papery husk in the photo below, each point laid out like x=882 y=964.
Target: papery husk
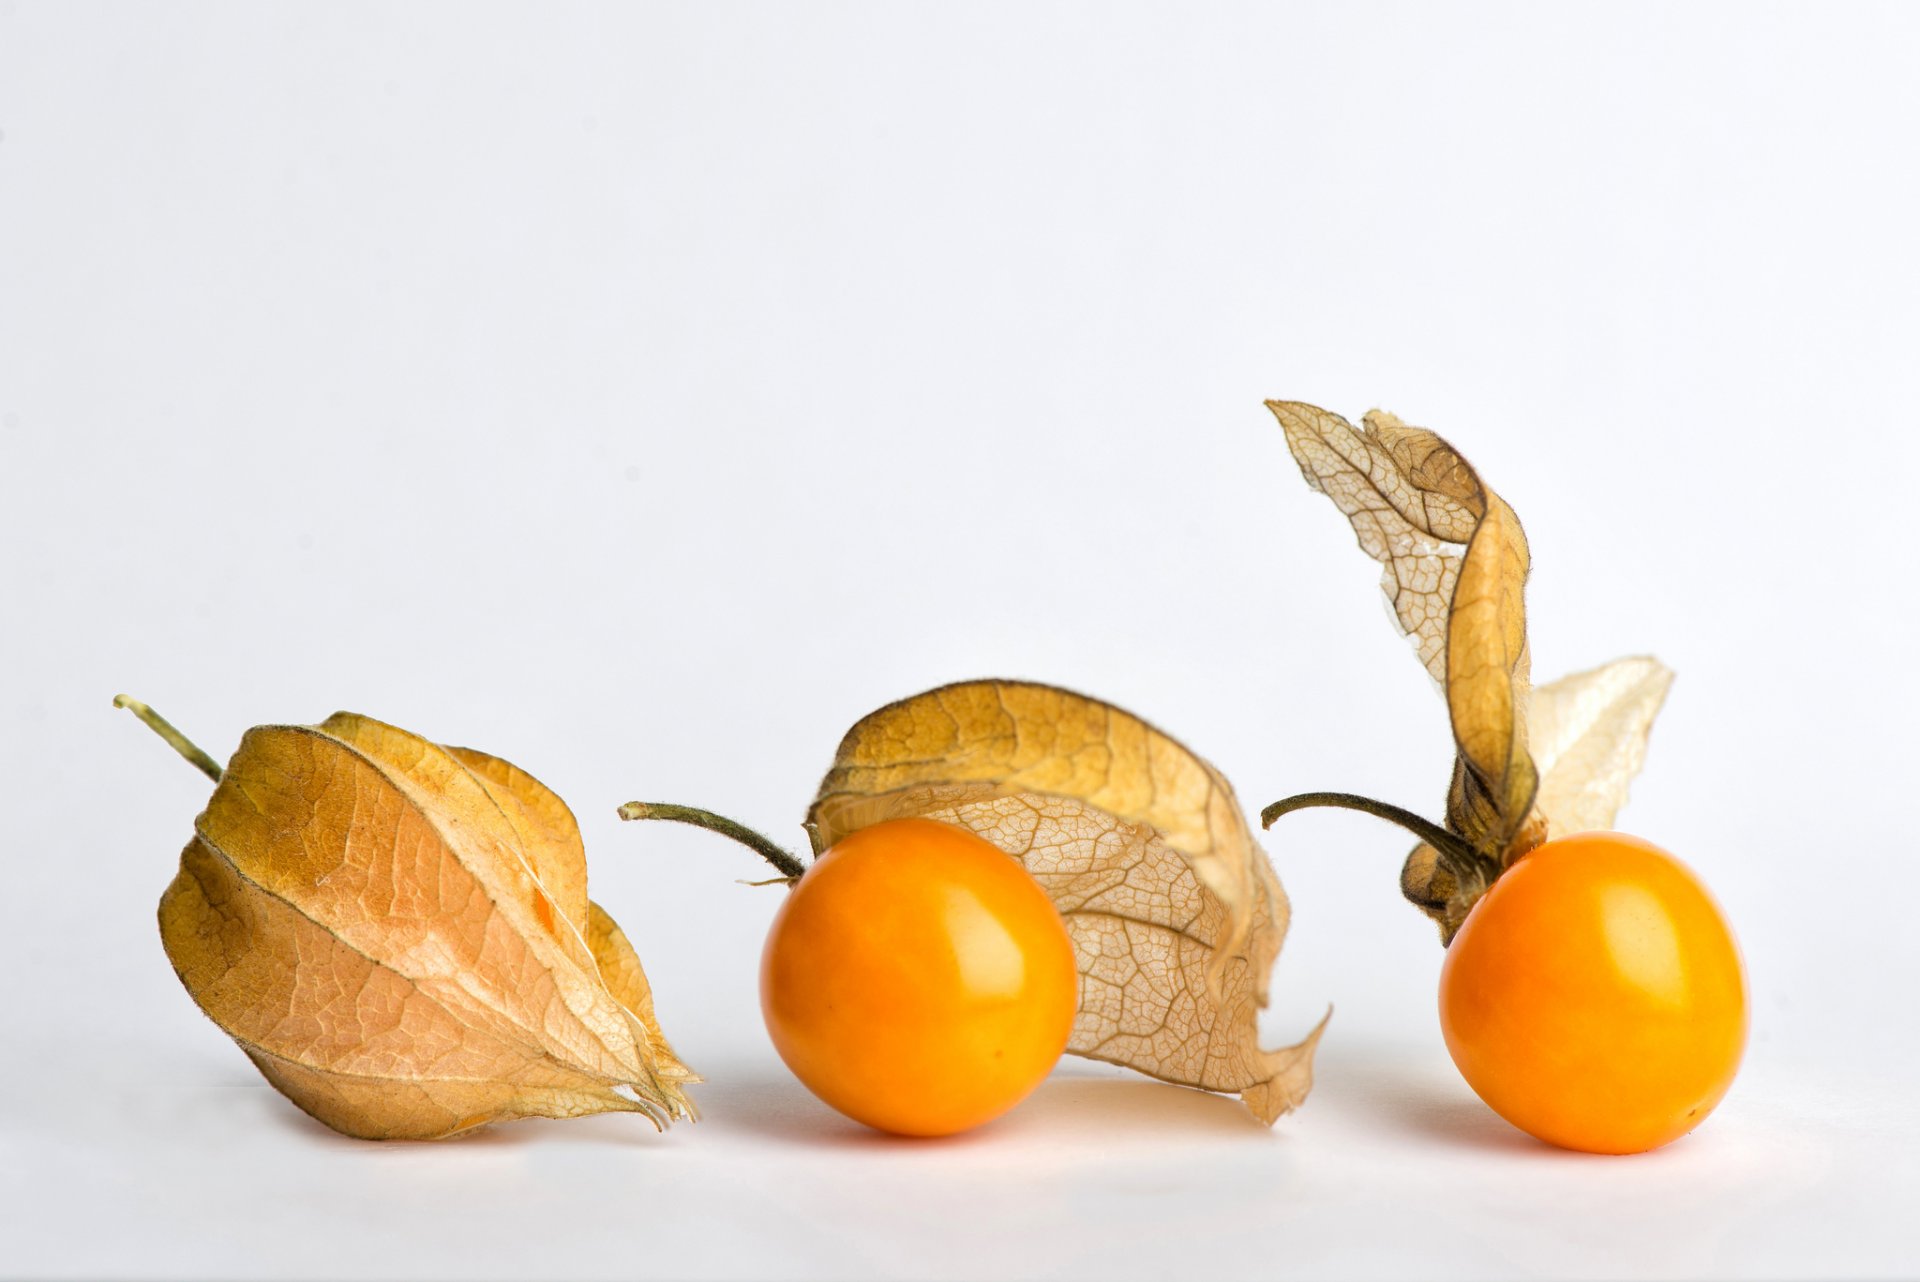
x=1530 y=762
x=398 y=935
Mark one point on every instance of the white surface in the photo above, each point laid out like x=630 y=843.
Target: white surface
x=646 y=394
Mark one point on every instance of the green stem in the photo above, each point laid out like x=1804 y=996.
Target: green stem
x=1457 y=854
x=790 y=867
x=164 y=728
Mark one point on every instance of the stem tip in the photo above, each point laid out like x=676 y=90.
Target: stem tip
x=177 y=741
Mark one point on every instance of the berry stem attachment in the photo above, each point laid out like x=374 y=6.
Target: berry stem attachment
x=164 y=728
x=790 y=868
x=1453 y=850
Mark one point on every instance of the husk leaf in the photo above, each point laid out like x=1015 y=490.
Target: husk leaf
x=1455 y=561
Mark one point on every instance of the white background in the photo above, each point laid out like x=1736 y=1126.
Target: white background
x=645 y=394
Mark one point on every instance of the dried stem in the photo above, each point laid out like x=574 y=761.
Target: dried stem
x=164 y=728
x=790 y=867
x=1453 y=850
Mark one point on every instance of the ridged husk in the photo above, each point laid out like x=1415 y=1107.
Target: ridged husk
x=398 y=935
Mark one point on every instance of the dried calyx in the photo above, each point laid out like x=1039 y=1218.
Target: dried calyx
x=1174 y=911
x=1531 y=763
x=398 y=935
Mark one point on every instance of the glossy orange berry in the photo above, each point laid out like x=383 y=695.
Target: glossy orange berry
x=918 y=979
x=1594 y=996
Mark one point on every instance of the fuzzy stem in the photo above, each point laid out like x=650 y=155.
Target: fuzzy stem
x=164 y=728
x=1456 y=853
x=789 y=866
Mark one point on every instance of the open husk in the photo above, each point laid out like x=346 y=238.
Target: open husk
x=1175 y=913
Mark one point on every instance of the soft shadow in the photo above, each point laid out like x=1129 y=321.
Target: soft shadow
x=618 y=1130
x=1098 y=1107
x=1449 y=1119
x=1381 y=1087
x=772 y=1104
x=1065 y=1109
x=609 y=1130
